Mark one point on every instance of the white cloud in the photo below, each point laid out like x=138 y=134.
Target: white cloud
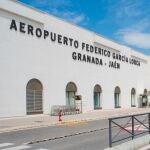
x=73 y=17
x=137 y=39
x=128 y=9
x=50 y=3
x=59 y=8
x=136 y=35
x=138 y=26
x=78 y=19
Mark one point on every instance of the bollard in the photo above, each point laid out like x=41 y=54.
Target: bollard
x=59 y=116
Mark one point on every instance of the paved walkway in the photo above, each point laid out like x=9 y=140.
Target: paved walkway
x=35 y=121
x=147 y=147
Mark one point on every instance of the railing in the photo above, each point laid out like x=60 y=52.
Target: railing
x=65 y=110
x=128 y=127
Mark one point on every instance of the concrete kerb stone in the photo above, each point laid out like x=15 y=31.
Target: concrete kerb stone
x=133 y=144
x=147 y=147
x=28 y=127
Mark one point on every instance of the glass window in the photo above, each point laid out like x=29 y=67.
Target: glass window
x=117 y=97
x=97 y=97
x=133 y=104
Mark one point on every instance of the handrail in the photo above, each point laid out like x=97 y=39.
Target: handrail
x=132 y=133
x=126 y=116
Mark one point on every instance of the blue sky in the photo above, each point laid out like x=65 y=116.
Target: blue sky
x=125 y=21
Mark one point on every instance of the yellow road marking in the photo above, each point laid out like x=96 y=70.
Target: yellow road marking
x=72 y=123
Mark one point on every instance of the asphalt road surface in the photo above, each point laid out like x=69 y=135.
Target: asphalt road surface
x=91 y=135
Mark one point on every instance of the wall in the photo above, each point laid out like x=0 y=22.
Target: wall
x=24 y=57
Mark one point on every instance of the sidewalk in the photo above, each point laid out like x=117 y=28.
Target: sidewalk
x=140 y=143
x=36 y=121
x=147 y=147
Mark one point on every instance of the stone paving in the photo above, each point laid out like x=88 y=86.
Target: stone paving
x=147 y=147
x=36 y=121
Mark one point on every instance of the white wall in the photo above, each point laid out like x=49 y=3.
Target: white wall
x=24 y=57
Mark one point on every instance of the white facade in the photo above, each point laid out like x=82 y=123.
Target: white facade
x=25 y=56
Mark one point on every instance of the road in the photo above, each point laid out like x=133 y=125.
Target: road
x=84 y=135
x=92 y=135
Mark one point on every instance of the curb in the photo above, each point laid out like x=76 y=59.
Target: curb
x=21 y=128
x=28 y=127
x=135 y=144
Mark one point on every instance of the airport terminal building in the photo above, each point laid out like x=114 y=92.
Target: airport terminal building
x=46 y=61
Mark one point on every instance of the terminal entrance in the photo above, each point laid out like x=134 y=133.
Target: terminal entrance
x=71 y=90
x=73 y=101
x=144 y=99
x=34 y=97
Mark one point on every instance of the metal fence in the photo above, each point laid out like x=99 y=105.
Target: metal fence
x=65 y=110
x=126 y=128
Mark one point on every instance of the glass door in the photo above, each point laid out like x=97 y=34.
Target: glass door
x=116 y=100
x=96 y=100
x=70 y=98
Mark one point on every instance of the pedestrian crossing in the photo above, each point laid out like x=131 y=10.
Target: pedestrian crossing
x=12 y=146
x=22 y=147
x=6 y=144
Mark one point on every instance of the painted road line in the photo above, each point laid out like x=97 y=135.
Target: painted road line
x=43 y=149
x=18 y=147
x=65 y=136
x=6 y=144
x=73 y=123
